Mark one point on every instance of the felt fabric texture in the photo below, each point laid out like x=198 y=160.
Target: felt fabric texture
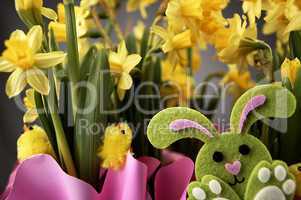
x=265 y=101
x=255 y=186
x=160 y=134
x=181 y=124
x=251 y=105
x=280 y=103
x=228 y=144
x=226 y=191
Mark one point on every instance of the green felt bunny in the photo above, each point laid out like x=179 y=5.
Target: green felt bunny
x=232 y=165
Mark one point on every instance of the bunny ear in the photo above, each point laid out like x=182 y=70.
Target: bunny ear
x=261 y=102
x=173 y=124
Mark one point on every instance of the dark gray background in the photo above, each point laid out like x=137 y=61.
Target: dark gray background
x=11 y=116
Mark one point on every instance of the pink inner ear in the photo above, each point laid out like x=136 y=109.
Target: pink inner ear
x=181 y=124
x=251 y=105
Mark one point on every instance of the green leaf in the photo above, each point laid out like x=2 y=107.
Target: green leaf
x=131 y=43
x=87 y=63
x=46 y=121
x=72 y=50
x=297 y=89
x=144 y=46
x=52 y=102
x=294 y=44
x=87 y=141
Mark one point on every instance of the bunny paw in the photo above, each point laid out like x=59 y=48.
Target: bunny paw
x=211 y=187
x=271 y=182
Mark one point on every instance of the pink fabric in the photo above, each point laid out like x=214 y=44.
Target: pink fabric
x=181 y=124
x=173 y=177
x=128 y=183
x=151 y=163
x=40 y=177
x=251 y=105
x=233 y=168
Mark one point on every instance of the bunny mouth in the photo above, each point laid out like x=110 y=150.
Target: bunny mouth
x=237 y=181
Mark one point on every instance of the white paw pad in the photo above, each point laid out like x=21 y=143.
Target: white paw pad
x=280 y=173
x=264 y=175
x=273 y=192
x=289 y=187
x=215 y=187
x=198 y=193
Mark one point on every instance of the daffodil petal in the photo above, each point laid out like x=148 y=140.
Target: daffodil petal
x=143 y=11
x=130 y=62
x=35 y=37
x=182 y=40
x=122 y=51
x=125 y=81
x=120 y=93
x=49 y=13
x=19 y=34
x=30 y=116
x=59 y=30
x=38 y=81
x=15 y=83
x=6 y=66
x=295 y=24
x=115 y=62
x=161 y=32
x=46 y=60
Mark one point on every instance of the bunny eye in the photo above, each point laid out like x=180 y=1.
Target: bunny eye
x=244 y=149
x=218 y=156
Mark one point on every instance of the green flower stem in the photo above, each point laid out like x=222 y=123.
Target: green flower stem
x=64 y=151
x=72 y=50
x=45 y=121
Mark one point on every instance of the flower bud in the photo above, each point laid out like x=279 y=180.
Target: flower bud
x=289 y=69
x=31 y=12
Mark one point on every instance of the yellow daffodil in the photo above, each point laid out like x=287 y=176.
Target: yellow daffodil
x=139 y=30
x=213 y=19
x=121 y=64
x=253 y=9
x=210 y=7
x=290 y=69
x=195 y=59
x=241 y=81
x=174 y=44
x=33 y=142
x=31 y=11
x=116 y=144
x=88 y=3
x=227 y=41
x=141 y=5
x=31 y=112
x=184 y=14
x=83 y=24
x=282 y=19
x=22 y=57
x=178 y=86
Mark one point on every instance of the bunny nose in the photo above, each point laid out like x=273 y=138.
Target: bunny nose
x=233 y=168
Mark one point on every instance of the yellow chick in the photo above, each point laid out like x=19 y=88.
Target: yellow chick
x=32 y=142
x=116 y=144
x=296 y=170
